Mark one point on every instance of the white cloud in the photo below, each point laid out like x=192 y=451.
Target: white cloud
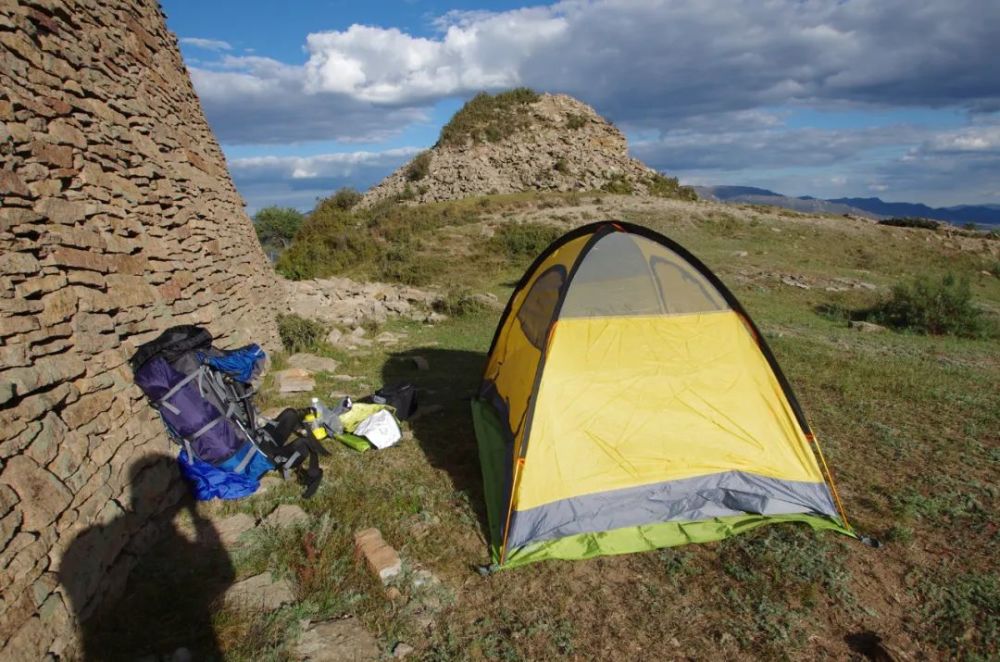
x=643 y=63
x=299 y=181
x=207 y=44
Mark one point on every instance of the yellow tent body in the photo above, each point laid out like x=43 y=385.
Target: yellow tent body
x=630 y=403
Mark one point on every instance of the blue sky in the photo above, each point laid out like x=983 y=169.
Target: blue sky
x=885 y=98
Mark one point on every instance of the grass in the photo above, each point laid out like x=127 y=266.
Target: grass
x=489 y=118
x=299 y=334
x=908 y=423
x=419 y=167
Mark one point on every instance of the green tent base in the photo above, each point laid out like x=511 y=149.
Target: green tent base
x=652 y=536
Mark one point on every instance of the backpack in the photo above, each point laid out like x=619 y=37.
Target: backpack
x=204 y=396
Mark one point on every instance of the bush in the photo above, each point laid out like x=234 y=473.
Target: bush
x=344 y=199
x=618 y=185
x=561 y=165
x=933 y=307
x=907 y=222
x=576 y=121
x=419 y=167
x=489 y=118
x=524 y=240
x=299 y=334
x=668 y=187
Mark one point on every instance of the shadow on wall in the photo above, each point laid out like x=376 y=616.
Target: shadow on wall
x=174 y=581
x=446 y=436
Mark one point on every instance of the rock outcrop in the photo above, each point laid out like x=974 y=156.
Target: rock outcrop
x=560 y=144
x=118 y=219
x=347 y=302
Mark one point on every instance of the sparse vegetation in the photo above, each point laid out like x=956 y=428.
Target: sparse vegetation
x=299 y=334
x=419 y=167
x=561 y=166
x=576 y=121
x=489 y=118
x=618 y=184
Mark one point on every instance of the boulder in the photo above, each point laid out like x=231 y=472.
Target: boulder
x=344 y=640
x=295 y=380
x=259 y=593
x=313 y=363
x=286 y=515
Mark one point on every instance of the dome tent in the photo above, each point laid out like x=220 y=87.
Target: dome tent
x=629 y=403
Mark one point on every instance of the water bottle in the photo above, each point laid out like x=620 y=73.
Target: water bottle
x=328 y=419
x=314 y=420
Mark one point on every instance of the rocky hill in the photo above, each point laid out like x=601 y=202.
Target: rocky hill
x=522 y=141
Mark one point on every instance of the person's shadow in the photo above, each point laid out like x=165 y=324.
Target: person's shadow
x=136 y=584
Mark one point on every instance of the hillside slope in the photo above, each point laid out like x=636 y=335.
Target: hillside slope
x=521 y=141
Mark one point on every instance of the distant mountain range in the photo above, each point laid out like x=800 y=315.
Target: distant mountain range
x=985 y=215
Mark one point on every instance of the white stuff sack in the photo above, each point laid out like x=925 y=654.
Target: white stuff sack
x=380 y=428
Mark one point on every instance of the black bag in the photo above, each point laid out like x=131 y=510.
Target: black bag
x=402 y=397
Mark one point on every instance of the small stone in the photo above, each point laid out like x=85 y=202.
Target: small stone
x=421 y=363
x=740 y=254
x=260 y=592
x=401 y=650
x=313 y=363
x=335 y=336
x=286 y=515
x=295 y=380
x=343 y=640
x=393 y=594
x=233 y=527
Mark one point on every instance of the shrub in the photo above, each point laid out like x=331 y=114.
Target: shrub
x=419 y=167
x=276 y=227
x=489 y=118
x=908 y=222
x=618 y=185
x=669 y=187
x=576 y=121
x=299 y=334
x=561 y=165
x=933 y=307
x=344 y=199
x=521 y=240
x=462 y=302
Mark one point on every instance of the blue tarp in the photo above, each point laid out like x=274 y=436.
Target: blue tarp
x=242 y=364
x=208 y=482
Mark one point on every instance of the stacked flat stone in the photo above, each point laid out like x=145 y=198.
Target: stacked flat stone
x=118 y=219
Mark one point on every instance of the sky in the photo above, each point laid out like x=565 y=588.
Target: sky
x=851 y=98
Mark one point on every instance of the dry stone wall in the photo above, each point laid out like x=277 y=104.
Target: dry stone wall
x=117 y=219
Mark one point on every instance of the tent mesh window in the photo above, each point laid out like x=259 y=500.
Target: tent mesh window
x=626 y=275
x=540 y=304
